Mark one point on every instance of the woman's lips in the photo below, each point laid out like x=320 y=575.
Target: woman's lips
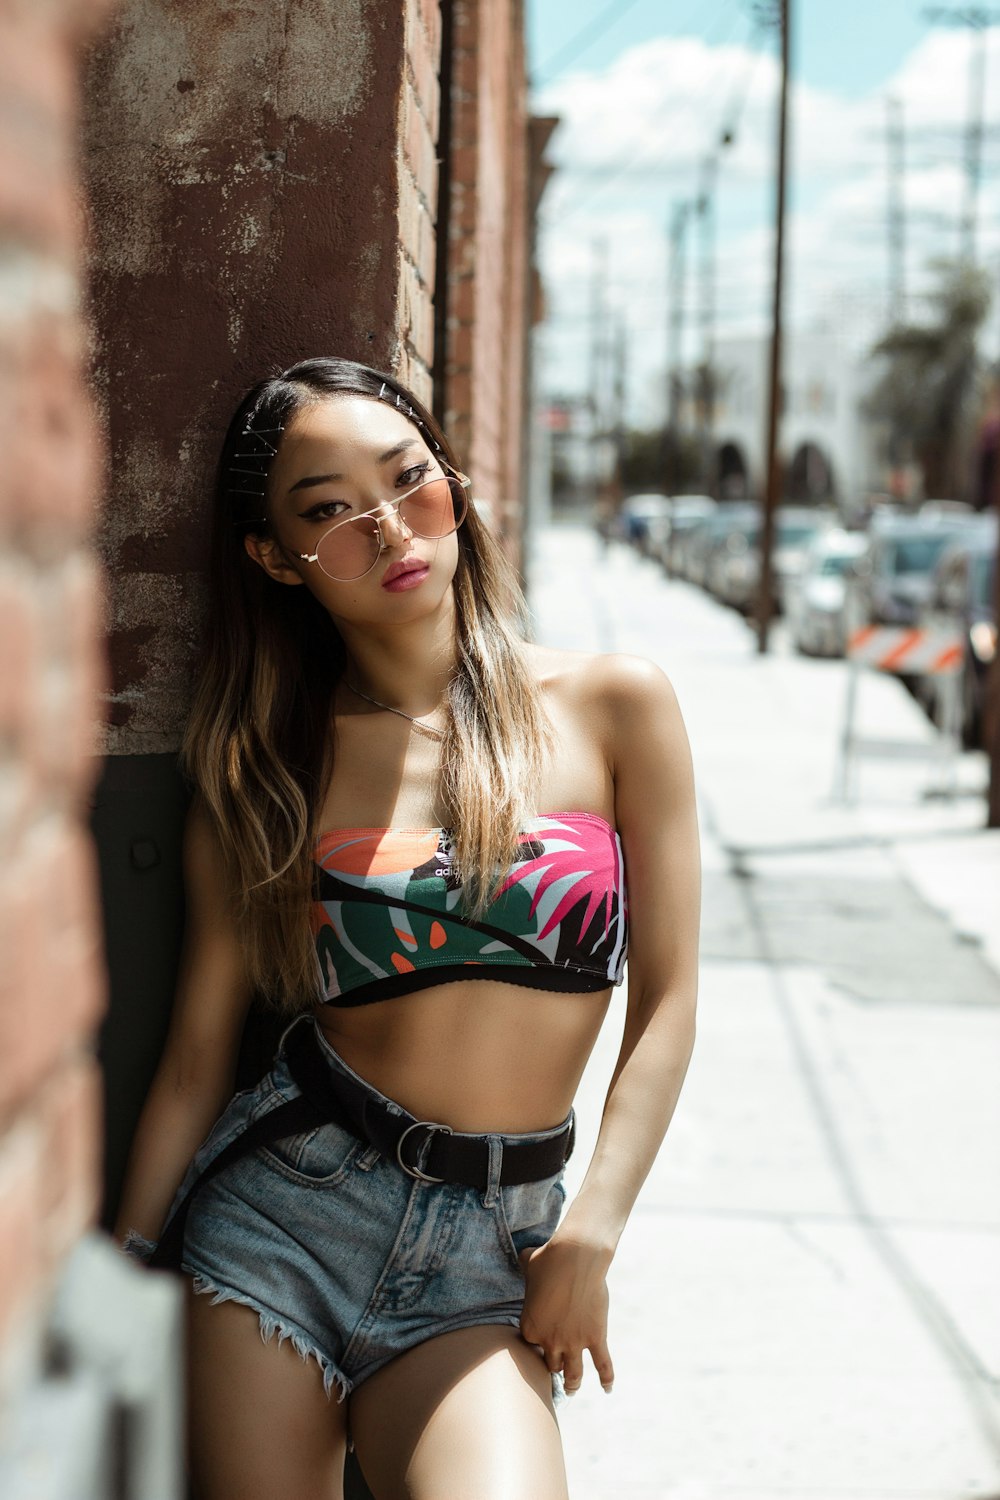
x=411 y=579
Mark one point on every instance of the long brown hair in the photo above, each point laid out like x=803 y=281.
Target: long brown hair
x=258 y=746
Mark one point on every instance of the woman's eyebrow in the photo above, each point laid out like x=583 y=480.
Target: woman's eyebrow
x=313 y=479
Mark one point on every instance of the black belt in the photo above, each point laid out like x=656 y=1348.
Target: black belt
x=333 y=1096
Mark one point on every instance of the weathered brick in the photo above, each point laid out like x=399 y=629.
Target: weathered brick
x=419 y=148
x=21 y=1176
x=53 y=462
x=30 y=1013
x=69 y=1108
x=20 y=656
x=37 y=84
x=424 y=62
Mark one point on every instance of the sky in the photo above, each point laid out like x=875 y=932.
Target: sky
x=644 y=89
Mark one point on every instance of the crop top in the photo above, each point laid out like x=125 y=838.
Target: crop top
x=387 y=915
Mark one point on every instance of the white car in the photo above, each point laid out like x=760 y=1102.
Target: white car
x=815 y=603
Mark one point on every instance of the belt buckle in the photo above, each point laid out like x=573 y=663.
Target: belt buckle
x=415 y=1171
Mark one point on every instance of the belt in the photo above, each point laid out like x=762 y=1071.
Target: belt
x=326 y=1096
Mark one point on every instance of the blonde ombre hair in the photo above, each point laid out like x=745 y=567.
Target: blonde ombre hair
x=258 y=747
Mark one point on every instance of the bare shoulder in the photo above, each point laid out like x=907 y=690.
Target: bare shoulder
x=604 y=683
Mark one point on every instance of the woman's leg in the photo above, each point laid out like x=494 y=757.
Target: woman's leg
x=260 y=1422
x=465 y=1416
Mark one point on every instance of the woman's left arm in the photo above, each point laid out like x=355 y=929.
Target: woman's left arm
x=566 y=1300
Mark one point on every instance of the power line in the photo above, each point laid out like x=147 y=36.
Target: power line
x=978 y=19
x=727 y=14
x=587 y=35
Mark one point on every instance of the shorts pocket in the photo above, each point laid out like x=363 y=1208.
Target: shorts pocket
x=527 y=1215
x=319 y=1158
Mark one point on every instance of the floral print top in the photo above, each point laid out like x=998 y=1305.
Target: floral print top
x=387 y=916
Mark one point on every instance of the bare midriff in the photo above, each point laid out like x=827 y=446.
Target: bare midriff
x=486 y=1056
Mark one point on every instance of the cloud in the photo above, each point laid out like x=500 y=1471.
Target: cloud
x=633 y=140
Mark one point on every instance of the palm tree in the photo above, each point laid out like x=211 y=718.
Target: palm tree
x=931 y=378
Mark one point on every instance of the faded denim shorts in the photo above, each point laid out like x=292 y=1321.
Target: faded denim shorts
x=338 y=1249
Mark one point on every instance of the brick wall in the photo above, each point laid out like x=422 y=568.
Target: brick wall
x=488 y=237
x=247 y=198
x=417 y=172
x=51 y=672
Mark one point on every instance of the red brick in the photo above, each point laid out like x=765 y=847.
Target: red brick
x=21 y=656
x=32 y=1008
x=423 y=62
x=418 y=147
x=70 y=1110
x=21 y=1174
x=53 y=461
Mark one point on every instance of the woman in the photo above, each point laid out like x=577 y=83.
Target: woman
x=407 y=833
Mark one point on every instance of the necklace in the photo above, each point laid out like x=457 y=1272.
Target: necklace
x=427 y=728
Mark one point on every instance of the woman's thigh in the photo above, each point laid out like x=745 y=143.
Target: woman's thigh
x=464 y=1416
x=260 y=1422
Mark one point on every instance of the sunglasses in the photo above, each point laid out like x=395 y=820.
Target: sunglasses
x=432 y=509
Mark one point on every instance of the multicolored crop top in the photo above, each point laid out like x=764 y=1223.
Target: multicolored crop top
x=388 y=918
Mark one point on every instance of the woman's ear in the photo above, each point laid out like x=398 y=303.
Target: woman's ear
x=266 y=552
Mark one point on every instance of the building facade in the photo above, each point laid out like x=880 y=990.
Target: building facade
x=192 y=197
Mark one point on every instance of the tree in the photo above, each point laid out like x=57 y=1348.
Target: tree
x=931 y=378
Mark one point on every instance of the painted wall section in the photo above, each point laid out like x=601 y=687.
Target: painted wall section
x=52 y=982
x=249 y=207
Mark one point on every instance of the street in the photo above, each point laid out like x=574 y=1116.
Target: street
x=804 y=1302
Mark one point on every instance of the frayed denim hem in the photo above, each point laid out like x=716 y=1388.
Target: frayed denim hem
x=270 y=1324
x=137 y=1246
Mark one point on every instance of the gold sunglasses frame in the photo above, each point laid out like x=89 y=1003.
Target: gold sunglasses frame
x=385 y=505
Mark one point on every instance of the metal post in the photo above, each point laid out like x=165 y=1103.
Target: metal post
x=896 y=211
x=772 y=460
x=675 y=340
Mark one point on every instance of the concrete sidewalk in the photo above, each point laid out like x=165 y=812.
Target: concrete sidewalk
x=804 y=1303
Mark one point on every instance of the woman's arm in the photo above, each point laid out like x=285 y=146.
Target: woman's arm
x=650 y=760
x=194 y=1079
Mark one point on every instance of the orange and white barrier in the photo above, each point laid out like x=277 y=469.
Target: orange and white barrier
x=896 y=648
x=937 y=653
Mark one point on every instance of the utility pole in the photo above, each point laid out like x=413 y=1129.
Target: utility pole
x=772 y=457
x=675 y=342
x=978 y=18
x=706 y=311
x=598 y=301
x=991 y=715
x=618 y=411
x=896 y=212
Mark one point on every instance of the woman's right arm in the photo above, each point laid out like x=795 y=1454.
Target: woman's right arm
x=194 y=1080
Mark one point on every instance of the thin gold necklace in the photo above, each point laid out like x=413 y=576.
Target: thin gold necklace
x=427 y=728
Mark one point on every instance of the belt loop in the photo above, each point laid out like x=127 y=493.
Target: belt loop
x=493 y=1170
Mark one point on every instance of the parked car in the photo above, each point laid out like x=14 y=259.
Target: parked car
x=894 y=577
x=686 y=511
x=714 y=532
x=637 y=511
x=736 y=568
x=815 y=610
x=938 y=509
x=963 y=592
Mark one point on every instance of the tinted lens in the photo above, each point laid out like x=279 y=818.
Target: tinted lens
x=349 y=550
x=434 y=509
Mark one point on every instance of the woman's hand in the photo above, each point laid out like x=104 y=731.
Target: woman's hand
x=566 y=1308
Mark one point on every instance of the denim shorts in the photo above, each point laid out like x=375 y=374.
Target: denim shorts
x=339 y=1249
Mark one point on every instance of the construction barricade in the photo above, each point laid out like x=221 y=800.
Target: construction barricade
x=936 y=653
